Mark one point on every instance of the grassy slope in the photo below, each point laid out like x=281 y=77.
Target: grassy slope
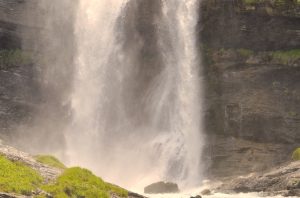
x=74 y=182
x=18 y=178
x=50 y=161
x=78 y=182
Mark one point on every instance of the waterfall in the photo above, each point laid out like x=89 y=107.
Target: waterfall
x=136 y=117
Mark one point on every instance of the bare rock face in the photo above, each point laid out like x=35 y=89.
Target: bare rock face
x=161 y=187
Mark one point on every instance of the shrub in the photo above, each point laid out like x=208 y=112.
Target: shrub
x=78 y=182
x=18 y=178
x=50 y=160
x=296 y=154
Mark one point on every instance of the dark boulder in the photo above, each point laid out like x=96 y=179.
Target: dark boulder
x=161 y=187
x=197 y=196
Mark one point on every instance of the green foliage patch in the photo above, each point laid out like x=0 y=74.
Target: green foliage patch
x=50 y=160
x=16 y=57
x=275 y=2
x=18 y=178
x=286 y=57
x=245 y=52
x=250 y=2
x=296 y=154
x=77 y=182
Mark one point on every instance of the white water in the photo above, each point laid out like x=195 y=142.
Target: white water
x=217 y=195
x=129 y=136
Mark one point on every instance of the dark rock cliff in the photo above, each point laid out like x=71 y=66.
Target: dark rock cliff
x=16 y=82
x=252 y=70
x=32 y=92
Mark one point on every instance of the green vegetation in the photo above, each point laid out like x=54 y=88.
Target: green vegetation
x=50 y=160
x=275 y=2
x=74 y=182
x=250 y=2
x=245 y=52
x=18 y=178
x=286 y=57
x=78 y=182
x=292 y=114
x=296 y=154
x=116 y=189
x=17 y=57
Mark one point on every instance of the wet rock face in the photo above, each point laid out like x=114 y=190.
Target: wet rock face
x=265 y=25
x=253 y=114
x=161 y=187
x=10 y=36
x=32 y=93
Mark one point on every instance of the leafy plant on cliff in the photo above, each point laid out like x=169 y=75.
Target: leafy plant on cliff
x=50 y=160
x=296 y=154
x=78 y=182
x=18 y=178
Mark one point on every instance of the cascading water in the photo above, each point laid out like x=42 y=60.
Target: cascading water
x=132 y=129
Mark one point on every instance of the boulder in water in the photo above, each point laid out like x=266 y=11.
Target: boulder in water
x=206 y=192
x=197 y=196
x=161 y=187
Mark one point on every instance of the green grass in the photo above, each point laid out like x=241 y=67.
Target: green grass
x=50 y=161
x=77 y=182
x=74 y=182
x=296 y=154
x=286 y=57
x=18 y=178
x=16 y=57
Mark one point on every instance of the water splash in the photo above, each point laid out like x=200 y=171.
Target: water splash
x=127 y=129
